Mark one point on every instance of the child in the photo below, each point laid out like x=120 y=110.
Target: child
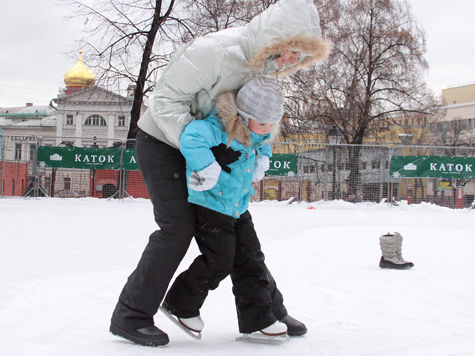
x=220 y=196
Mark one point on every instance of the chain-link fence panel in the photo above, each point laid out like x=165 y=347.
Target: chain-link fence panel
x=281 y=181
x=436 y=174
x=133 y=183
x=18 y=166
x=71 y=167
x=349 y=172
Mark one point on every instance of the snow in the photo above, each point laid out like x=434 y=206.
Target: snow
x=63 y=263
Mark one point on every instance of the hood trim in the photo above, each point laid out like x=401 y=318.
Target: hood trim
x=316 y=50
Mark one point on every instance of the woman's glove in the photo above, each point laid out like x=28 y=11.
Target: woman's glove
x=206 y=178
x=260 y=168
x=225 y=156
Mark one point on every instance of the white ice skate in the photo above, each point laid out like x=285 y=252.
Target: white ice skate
x=191 y=326
x=275 y=333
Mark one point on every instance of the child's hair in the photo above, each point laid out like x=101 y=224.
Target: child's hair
x=232 y=132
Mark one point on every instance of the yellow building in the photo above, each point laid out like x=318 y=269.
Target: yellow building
x=458 y=94
x=457 y=123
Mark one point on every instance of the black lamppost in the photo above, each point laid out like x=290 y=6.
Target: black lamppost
x=334 y=138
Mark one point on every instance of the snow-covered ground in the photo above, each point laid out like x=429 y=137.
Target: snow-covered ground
x=63 y=263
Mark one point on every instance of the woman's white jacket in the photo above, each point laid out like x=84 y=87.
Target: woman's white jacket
x=225 y=60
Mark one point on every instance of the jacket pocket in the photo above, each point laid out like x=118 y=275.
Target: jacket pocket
x=219 y=190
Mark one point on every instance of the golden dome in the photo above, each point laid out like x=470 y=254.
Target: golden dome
x=79 y=75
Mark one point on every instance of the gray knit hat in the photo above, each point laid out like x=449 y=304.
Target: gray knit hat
x=260 y=99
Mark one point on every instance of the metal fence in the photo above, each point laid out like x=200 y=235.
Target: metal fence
x=23 y=176
x=328 y=172
x=313 y=171
x=358 y=173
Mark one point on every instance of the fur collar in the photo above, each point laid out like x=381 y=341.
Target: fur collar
x=226 y=106
x=314 y=50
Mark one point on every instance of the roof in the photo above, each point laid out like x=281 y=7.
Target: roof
x=94 y=95
x=27 y=112
x=48 y=121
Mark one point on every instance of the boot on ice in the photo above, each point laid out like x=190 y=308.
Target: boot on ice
x=391 y=248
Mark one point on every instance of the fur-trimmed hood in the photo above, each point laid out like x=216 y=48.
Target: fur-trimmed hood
x=292 y=25
x=227 y=111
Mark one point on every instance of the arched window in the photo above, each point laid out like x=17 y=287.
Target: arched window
x=95 y=120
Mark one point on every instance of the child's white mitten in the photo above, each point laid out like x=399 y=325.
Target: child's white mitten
x=206 y=178
x=260 y=168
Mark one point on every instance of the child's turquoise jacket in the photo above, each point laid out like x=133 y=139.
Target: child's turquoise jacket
x=231 y=194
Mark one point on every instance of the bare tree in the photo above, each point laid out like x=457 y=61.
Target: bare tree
x=127 y=42
x=211 y=16
x=375 y=70
x=452 y=133
x=214 y=15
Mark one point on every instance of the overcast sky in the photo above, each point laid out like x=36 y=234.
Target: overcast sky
x=35 y=38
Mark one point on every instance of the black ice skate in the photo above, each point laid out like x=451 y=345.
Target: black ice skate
x=294 y=327
x=148 y=336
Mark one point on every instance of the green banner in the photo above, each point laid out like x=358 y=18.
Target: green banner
x=78 y=157
x=432 y=166
x=130 y=160
x=282 y=165
x=109 y=158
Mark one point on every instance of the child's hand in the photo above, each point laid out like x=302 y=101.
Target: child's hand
x=260 y=168
x=206 y=178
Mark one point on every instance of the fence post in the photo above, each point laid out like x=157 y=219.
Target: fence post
x=299 y=172
x=34 y=170
x=390 y=183
x=121 y=172
x=2 y=150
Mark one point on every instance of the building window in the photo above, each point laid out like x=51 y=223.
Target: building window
x=95 y=120
x=375 y=164
x=67 y=183
x=32 y=152
x=17 y=151
x=121 y=121
x=69 y=120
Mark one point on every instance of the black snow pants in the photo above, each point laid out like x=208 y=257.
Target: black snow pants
x=163 y=170
x=224 y=249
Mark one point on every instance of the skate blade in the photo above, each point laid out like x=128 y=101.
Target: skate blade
x=174 y=320
x=263 y=339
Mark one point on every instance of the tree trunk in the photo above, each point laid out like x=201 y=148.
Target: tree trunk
x=147 y=53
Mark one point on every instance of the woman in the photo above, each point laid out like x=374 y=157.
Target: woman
x=282 y=39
